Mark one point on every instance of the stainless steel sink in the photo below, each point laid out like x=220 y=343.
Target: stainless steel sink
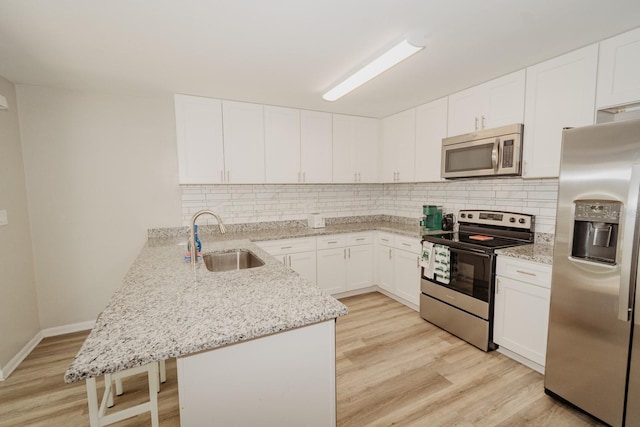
x=231 y=260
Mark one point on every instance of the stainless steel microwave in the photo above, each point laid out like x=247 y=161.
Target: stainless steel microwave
x=489 y=152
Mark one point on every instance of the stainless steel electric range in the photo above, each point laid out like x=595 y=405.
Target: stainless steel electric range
x=458 y=272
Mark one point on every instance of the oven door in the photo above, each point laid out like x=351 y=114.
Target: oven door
x=470 y=285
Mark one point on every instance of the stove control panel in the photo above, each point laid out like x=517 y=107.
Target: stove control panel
x=502 y=219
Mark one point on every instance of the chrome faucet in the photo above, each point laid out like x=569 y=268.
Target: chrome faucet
x=193 y=247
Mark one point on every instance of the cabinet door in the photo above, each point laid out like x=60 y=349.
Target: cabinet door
x=619 y=70
x=332 y=269
x=521 y=317
x=243 y=142
x=199 y=140
x=384 y=267
x=304 y=263
x=503 y=101
x=282 y=145
x=560 y=93
x=398 y=146
x=407 y=276
x=367 y=150
x=316 y=150
x=431 y=127
x=359 y=272
x=464 y=109
x=344 y=148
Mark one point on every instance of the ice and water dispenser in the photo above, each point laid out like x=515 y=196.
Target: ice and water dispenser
x=595 y=230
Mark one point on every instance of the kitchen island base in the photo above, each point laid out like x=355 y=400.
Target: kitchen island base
x=285 y=379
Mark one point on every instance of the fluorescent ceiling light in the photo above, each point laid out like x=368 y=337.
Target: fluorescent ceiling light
x=396 y=54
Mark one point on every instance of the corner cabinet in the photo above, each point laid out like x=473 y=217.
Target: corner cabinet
x=495 y=103
x=355 y=149
x=398 y=266
x=297 y=254
x=345 y=262
x=560 y=93
x=521 y=312
x=398 y=147
x=619 y=70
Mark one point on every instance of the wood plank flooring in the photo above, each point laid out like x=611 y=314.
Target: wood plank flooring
x=393 y=368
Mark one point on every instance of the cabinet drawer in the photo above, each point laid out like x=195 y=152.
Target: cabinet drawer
x=359 y=239
x=331 y=241
x=384 y=239
x=288 y=246
x=526 y=271
x=410 y=244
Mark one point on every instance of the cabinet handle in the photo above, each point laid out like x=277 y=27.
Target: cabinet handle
x=344 y=255
x=385 y=240
x=299 y=177
x=406 y=244
x=284 y=260
x=526 y=272
x=389 y=253
x=331 y=242
x=286 y=247
x=476 y=123
x=349 y=250
x=289 y=260
x=355 y=177
x=228 y=174
x=359 y=239
x=497 y=286
x=418 y=261
x=482 y=122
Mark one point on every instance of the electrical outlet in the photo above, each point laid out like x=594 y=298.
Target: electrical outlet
x=4 y=220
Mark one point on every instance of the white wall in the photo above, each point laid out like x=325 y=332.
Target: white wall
x=100 y=170
x=18 y=301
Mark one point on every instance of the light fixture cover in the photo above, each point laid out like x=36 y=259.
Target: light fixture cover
x=3 y=103
x=396 y=54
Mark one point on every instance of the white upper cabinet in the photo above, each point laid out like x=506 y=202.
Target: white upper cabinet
x=315 y=147
x=431 y=128
x=492 y=104
x=199 y=140
x=619 y=70
x=398 y=147
x=243 y=142
x=560 y=93
x=355 y=149
x=282 y=145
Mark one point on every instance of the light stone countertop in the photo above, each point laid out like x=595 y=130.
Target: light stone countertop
x=165 y=309
x=542 y=253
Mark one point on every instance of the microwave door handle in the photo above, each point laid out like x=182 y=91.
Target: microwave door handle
x=629 y=247
x=495 y=154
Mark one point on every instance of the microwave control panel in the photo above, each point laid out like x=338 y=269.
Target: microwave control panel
x=507 y=153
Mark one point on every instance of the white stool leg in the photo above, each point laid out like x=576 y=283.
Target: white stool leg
x=163 y=371
x=108 y=385
x=153 y=394
x=119 y=388
x=92 y=400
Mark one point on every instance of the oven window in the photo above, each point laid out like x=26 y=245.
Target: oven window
x=470 y=274
x=477 y=157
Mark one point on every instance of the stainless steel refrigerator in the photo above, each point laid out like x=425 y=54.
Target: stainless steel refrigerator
x=593 y=354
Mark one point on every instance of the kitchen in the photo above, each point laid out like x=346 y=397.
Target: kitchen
x=101 y=169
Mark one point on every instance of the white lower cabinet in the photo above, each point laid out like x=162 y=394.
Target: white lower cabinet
x=397 y=263
x=521 y=312
x=345 y=262
x=298 y=254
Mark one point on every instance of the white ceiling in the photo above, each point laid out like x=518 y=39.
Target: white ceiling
x=288 y=52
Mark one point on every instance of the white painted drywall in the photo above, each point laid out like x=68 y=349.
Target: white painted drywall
x=100 y=170
x=18 y=302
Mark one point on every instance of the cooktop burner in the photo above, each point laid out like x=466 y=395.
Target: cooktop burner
x=474 y=240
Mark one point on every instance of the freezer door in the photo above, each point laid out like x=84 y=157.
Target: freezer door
x=633 y=396
x=589 y=330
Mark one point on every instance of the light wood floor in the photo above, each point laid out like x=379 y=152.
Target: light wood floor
x=393 y=368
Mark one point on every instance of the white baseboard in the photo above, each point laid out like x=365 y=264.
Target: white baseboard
x=18 y=358
x=521 y=359
x=6 y=370
x=355 y=292
x=399 y=299
x=68 y=329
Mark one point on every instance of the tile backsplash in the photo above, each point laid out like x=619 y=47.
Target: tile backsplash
x=270 y=202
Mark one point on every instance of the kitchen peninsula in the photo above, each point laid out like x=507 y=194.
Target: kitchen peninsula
x=273 y=334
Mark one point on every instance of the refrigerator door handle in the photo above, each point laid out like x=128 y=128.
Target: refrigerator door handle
x=629 y=247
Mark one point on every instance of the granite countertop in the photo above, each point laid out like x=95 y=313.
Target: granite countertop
x=166 y=309
x=538 y=252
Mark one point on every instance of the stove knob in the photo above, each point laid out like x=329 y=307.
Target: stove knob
x=462 y=215
x=521 y=220
x=512 y=219
x=470 y=216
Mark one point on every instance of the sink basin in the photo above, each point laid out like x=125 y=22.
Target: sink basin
x=231 y=260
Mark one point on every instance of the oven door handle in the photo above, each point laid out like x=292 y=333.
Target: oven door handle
x=470 y=252
x=495 y=154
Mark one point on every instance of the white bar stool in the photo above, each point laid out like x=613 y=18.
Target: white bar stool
x=117 y=377
x=97 y=417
